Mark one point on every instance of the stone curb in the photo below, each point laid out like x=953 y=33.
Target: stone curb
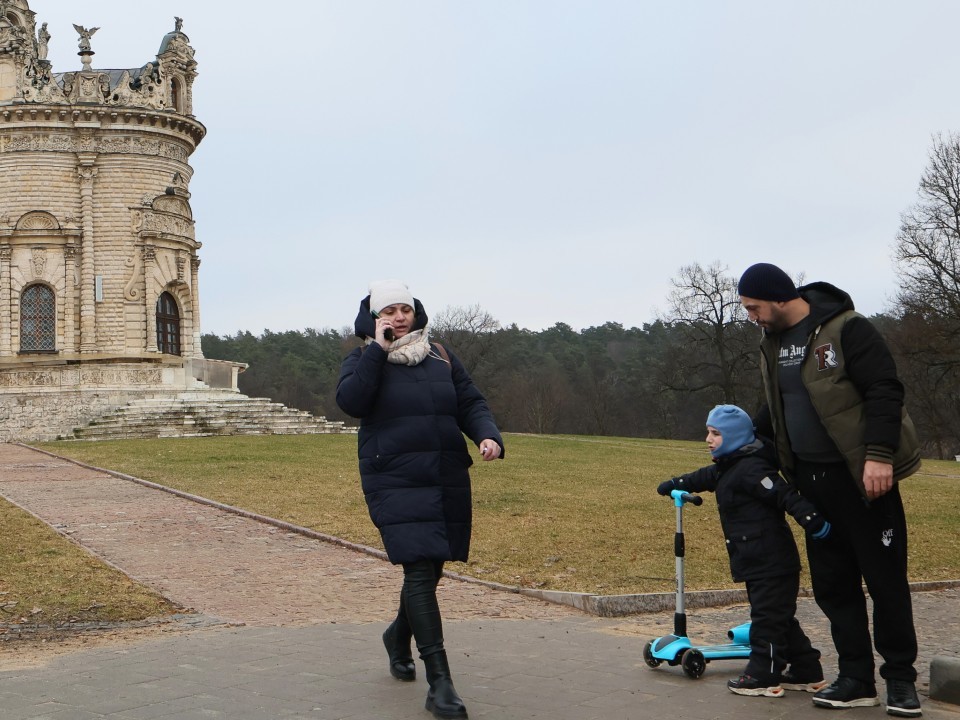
x=945 y=679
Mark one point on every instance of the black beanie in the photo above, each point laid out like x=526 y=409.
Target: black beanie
x=764 y=281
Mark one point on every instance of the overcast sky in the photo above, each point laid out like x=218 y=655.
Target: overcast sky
x=548 y=160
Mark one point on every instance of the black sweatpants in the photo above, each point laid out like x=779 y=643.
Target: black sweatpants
x=776 y=638
x=868 y=541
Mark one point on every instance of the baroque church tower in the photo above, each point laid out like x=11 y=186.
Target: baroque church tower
x=99 y=300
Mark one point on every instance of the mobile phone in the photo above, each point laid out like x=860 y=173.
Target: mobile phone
x=387 y=332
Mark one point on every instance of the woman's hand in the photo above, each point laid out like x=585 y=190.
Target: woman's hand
x=489 y=449
x=380 y=334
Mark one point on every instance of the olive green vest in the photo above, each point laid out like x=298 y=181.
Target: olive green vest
x=836 y=400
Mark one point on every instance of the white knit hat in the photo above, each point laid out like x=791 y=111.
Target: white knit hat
x=384 y=293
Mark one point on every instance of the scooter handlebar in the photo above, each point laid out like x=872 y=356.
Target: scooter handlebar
x=680 y=497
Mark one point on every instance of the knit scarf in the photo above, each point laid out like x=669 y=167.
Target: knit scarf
x=411 y=349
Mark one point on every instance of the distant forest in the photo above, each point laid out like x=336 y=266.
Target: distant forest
x=606 y=380
x=660 y=380
x=656 y=381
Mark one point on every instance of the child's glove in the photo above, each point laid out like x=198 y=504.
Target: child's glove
x=822 y=531
x=667 y=486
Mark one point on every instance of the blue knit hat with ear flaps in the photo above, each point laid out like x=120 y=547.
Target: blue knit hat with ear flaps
x=734 y=425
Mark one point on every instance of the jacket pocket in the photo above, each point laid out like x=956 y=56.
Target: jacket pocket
x=746 y=549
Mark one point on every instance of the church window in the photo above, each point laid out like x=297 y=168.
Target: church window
x=175 y=95
x=168 y=325
x=38 y=319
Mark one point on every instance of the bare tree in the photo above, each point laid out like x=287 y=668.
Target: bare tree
x=467 y=330
x=928 y=244
x=928 y=261
x=719 y=347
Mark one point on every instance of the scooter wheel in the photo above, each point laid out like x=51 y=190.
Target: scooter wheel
x=648 y=657
x=693 y=662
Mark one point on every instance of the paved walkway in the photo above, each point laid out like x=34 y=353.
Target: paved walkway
x=301 y=622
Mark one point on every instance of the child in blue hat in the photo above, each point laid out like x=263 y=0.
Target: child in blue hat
x=752 y=499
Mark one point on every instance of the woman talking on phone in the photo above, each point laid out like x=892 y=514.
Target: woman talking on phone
x=415 y=402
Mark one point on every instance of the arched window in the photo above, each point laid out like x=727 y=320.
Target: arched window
x=176 y=95
x=38 y=319
x=168 y=325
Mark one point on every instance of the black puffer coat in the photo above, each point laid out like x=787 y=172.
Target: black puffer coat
x=751 y=499
x=413 y=458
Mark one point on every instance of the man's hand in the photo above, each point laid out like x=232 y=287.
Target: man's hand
x=877 y=478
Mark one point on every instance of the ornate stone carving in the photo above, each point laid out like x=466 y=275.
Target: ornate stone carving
x=43 y=42
x=38 y=220
x=39 y=84
x=28 y=378
x=38 y=259
x=13 y=38
x=85 y=35
x=173 y=205
x=181 y=48
x=131 y=291
x=87 y=142
x=166 y=224
x=86 y=173
x=124 y=144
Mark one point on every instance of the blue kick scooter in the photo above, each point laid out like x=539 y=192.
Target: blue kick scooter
x=676 y=649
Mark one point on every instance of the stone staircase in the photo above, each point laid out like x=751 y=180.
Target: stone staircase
x=202 y=414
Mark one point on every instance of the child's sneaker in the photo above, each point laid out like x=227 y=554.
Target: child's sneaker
x=802 y=682
x=747 y=685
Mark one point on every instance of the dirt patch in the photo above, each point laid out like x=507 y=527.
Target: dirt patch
x=39 y=647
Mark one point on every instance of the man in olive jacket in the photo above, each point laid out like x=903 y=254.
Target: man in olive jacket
x=835 y=409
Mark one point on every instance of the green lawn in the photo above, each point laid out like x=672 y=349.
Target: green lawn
x=561 y=512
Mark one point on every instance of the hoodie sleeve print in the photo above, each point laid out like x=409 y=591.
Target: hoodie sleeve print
x=359 y=381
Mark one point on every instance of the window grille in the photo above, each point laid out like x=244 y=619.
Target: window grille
x=38 y=319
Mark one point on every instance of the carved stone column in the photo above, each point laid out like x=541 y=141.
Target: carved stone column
x=88 y=308
x=69 y=298
x=5 y=329
x=149 y=270
x=195 y=305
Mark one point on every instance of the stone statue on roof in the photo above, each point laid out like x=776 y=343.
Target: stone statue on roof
x=43 y=42
x=85 y=35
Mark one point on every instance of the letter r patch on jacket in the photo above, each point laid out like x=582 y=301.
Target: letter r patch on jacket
x=826 y=357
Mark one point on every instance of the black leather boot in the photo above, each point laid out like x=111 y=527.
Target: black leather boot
x=423 y=613
x=442 y=699
x=398 y=649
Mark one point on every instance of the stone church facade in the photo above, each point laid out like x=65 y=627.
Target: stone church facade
x=99 y=294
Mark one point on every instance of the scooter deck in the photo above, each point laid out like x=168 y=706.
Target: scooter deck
x=720 y=652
